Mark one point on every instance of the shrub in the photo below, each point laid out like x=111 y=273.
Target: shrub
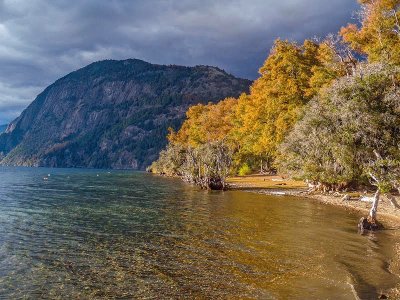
x=244 y=170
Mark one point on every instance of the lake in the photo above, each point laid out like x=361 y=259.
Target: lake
x=103 y=234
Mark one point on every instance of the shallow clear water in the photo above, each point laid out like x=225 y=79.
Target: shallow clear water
x=94 y=234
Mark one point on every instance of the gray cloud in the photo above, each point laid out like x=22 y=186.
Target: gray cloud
x=43 y=40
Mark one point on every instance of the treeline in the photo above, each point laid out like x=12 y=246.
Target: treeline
x=325 y=111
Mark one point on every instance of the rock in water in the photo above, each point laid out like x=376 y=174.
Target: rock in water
x=111 y=114
x=366 y=224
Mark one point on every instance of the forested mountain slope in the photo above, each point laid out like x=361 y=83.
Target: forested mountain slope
x=111 y=114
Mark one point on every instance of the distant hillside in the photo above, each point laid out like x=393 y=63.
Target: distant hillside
x=111 y=114
x=3 y=128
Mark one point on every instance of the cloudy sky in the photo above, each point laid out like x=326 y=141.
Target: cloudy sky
x=42 y=40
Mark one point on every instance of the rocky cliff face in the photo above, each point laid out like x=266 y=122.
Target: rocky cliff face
x=111 y=114
x=3 y=128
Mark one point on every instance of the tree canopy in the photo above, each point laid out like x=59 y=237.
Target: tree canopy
x=318 y=111
x=379 y=35
x=349 y=132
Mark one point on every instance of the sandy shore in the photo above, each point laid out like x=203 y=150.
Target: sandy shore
x=276 y=185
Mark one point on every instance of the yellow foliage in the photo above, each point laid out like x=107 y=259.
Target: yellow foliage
x=379 y=35
x=264 y=117
x=205 y=123
x=255 y=124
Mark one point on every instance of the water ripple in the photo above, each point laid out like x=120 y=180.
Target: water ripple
x=95 y=234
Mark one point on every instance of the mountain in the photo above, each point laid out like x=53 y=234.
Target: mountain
x=3 y=128
x=111 y=114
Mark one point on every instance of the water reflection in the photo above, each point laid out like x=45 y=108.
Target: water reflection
x=124 y=234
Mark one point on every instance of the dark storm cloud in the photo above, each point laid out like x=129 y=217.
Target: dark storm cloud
x=43 y=40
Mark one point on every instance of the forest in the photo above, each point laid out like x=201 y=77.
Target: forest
x=326 y=111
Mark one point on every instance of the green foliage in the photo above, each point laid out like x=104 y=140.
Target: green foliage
x=206 y=165
x=244 y=170
x=170 y=161
x=350 y=132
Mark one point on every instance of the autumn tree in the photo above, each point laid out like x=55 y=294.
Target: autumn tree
x=200 y=152
x=205 y=123
x=336 y=59
x=254 y=125
x=379 y=34
x=266 y=115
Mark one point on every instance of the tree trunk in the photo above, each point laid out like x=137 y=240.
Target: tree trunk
x=370 y=223
x=374 y=208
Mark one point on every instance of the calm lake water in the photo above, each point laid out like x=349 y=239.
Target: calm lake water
x=95 y=234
